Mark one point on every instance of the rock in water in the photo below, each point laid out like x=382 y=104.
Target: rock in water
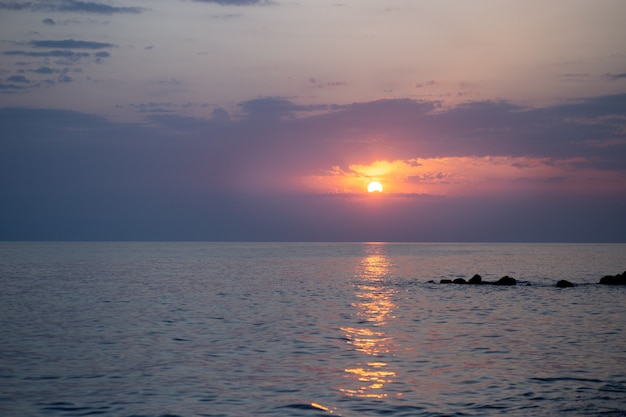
x=476 y=279
x=619 y=279
x=564 y=284
x=505 y=280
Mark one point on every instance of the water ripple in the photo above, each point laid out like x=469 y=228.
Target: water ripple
x=307 y=330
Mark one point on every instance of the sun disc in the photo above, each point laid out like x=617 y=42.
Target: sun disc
x=375 y=186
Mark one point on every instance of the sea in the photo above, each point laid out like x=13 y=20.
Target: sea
x=310 y=329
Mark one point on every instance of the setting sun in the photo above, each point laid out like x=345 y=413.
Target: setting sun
x=374 y=186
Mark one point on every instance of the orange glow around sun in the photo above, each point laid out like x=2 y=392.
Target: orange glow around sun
x=461 y=175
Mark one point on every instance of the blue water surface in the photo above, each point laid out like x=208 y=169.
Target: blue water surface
x=309 y=329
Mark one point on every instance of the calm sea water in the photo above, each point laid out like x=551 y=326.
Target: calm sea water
x=230 y=329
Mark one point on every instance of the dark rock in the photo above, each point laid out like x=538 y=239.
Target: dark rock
x=505 y=280
x=619 y=279
x=564 y=284
x=459 y=281
x=476 y=279
x=445 y=281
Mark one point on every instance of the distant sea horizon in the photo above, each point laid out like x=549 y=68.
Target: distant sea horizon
x=591 y=242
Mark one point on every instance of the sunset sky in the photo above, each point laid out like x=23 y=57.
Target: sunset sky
x=486 y=120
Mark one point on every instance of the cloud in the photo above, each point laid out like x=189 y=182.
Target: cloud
x=18 y=79
x=7 y=88
x=67 y=52
x=68 y=6
x=472 y=175
x=280 y=137
x=274 y=108
x=615 y=77
x=101 y=55
x=153 y=107
x=51 y=54
x=481 y=171
x=48 y=21
x=237 y=2
x=71 y=44
x=268 y=107
x=574 y=76
x=430 y=83
x=227 y=16
x=315 y=83
x=221 y=115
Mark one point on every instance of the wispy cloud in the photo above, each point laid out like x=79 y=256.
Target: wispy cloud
x=315 y=83
x=237 y=2
x=572 y=76
x=430 y=83
x=68 y=6
x=55 y=56
x=70 y=44
x=8 y=88
x=18 y=79
x=227 y=16
x=44 y=70
x=269 y=108
x=615 y=77
x=51 y=54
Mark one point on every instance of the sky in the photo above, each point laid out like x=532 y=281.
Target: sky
x=265 y=120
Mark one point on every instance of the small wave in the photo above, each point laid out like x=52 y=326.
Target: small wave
x=318 y=409
x=566 y=378
x=74 y=409
x=614 y=387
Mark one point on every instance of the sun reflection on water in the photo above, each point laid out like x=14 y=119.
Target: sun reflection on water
x=374 y=308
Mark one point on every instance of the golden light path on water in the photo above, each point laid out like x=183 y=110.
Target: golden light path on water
x=374 y=308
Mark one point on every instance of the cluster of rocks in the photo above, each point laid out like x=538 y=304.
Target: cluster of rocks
x=478 y=280
x=619 y=279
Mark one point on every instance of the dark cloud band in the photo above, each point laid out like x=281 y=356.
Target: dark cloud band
x=71 y=44
x=50 y=54
x=68 y=6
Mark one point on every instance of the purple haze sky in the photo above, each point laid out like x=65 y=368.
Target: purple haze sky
x=489 y=120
